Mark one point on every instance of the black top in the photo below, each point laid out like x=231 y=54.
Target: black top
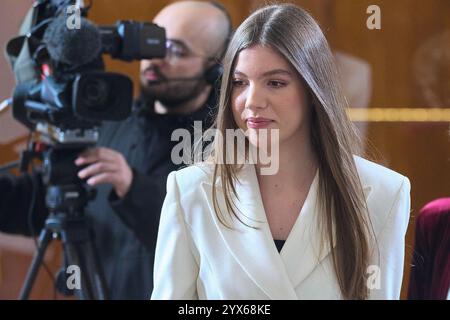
x=125 y=229
x=279 y=244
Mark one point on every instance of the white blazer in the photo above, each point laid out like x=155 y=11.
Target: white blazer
x=199 y=258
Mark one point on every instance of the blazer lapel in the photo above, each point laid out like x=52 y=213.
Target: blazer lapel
x=301 y=252
x=254 y=249
x=305 y=247
x=276 y=274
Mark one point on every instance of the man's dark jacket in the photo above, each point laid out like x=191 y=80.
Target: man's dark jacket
x=125 y=229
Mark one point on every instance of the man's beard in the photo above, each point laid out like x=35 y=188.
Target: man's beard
x=173 y=93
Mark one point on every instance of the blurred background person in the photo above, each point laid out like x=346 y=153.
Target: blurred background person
x=430 y=267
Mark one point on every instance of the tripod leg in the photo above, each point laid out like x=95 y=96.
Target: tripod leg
x=92 y=269
x=44 y=239
x=92 y=279
x=80 y=250
x=98 y=278
x=75 y=258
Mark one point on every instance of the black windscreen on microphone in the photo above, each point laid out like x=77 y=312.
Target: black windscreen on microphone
x=74 y=47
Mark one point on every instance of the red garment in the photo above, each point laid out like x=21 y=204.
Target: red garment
x=430 y=271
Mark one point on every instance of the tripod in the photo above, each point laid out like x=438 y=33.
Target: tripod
x=66 y=201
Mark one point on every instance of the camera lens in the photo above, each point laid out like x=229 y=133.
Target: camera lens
x=102 y=96
x=95 y=94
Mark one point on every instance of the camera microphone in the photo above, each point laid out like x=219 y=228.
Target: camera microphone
x=75 y=47
x=128 y=41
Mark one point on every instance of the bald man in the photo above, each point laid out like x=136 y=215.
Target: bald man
x=194 y=45
x=130 y=167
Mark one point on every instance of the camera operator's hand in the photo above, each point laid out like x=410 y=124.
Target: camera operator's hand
x=106 y=166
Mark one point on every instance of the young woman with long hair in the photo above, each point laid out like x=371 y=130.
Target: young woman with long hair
x=337 y=220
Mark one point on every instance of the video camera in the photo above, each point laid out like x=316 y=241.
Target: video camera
x=62 y=90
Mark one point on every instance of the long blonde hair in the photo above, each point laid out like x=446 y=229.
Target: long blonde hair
x=295 y=35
